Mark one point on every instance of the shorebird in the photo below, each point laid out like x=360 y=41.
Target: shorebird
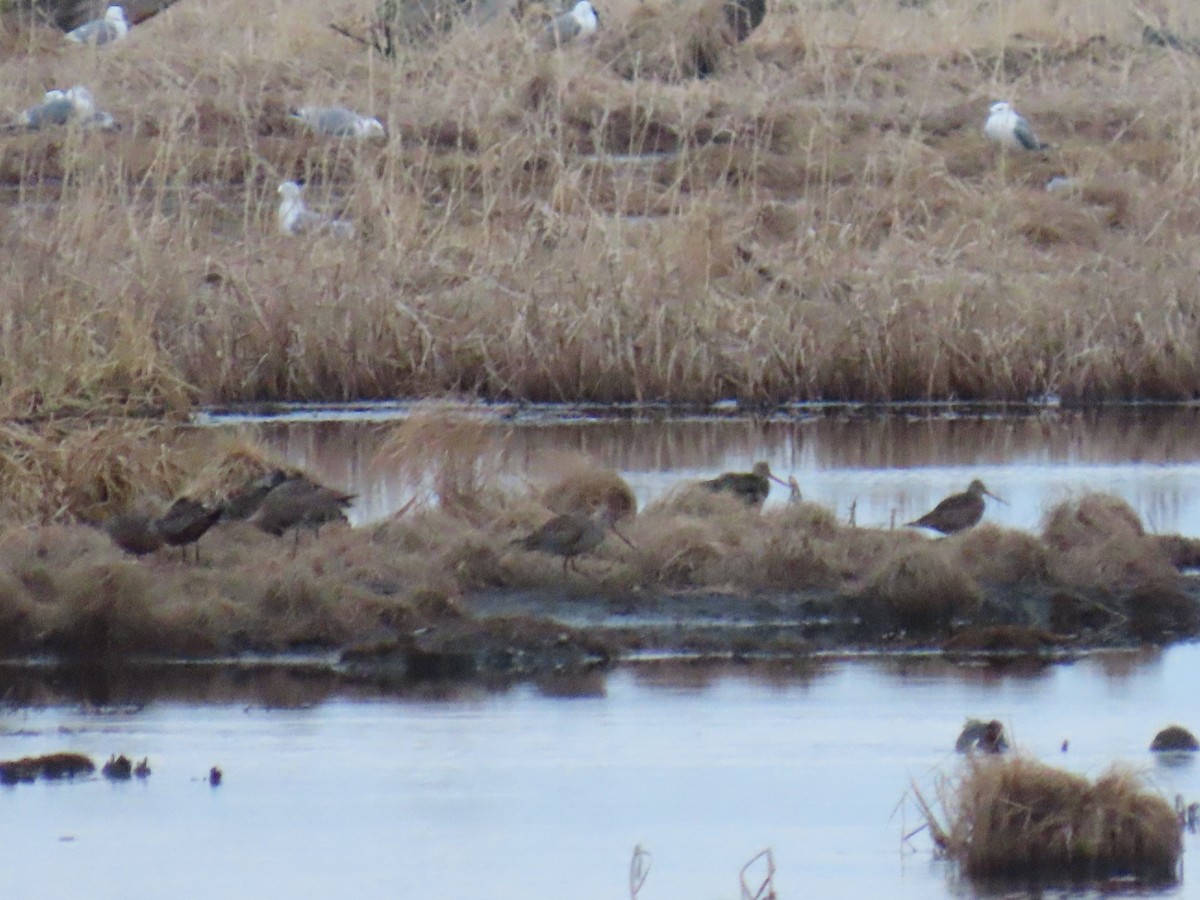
x=752 y=487
x=1006 y=127
x=244 y=502
x=337 y=121
x=134 y=532
x=111 y=27
x=571 y=534
x=579 y=21
x=299 y=503
x=296 y=218
x=958 y=512
x=185 y=523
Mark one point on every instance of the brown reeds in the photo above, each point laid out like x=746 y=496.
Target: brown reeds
x=1016 y=817
x=518 y=239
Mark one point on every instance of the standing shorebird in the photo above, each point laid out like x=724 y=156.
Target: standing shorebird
x=571 y=534
x=245 y=501
x=185 y=523
x=299 y=503
x=1006 y=127
x=752 y=487
x=134 y=532
x=958 y=512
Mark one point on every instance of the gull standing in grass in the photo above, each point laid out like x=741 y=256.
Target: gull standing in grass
x=337 y=121
x=1006 y=127
x=112 y=27
x=581 y=20
x=296 y=218
x=73 y=106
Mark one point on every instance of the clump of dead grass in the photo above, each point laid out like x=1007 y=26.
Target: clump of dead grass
x=1097 y=542
x=923 y=587
x=1016 y=817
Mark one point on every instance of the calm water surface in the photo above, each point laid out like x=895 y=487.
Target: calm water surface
x=890 y=467
x=532 y=793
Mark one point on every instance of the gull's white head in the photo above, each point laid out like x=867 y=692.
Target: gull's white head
x=81 y=100
x=585 y=14
x=115 y=15
x=999 y=108
x=291 y=207
x=368 y=126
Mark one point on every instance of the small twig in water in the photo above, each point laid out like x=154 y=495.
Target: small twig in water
x=639 y=868
x=766 y=888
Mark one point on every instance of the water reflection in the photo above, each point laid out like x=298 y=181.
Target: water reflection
x=518 y=793
x=890 y=468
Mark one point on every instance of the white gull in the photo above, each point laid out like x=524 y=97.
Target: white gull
x=1006 y=127
x=337 y=121
x=111 y=27
x=296 y=218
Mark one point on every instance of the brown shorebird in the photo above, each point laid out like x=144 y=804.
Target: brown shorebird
x=752 y=487
x=299 y=503
x=244 y=502
x=185 y=523
x=571 y=534
x=134 y=532
x=958 y=512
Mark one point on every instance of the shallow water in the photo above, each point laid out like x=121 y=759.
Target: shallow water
x=891 y=467
x=543 y=792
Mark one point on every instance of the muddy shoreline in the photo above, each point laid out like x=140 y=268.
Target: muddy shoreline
x=502 y=637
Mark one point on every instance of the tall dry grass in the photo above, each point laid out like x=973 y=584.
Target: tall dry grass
x=826 y=220
x=1019 y=818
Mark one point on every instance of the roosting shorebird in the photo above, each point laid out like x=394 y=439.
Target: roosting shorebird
x=244 y=502
x=571 y=534
x=185 y=523
x=337 y=121
x=958 y=512
x=752 y=487
x=1006 y=127
x=296 y=218
x=579 y=21
x=134 y=532
x=299 y=503
x=111 y=27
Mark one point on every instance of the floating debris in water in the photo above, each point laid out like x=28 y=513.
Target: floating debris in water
x=214 y=776
x=51 y=766
x=118 y=768
x=142 y=769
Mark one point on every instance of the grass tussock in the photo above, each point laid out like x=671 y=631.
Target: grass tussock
x=1016 y=817
x=816 y=218
x=924 y=587
x=1098 y=542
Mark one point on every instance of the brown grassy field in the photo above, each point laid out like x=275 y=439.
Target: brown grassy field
x=825 y=220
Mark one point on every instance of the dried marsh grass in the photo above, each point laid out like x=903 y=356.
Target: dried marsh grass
x=824 y=220
x=1016 y=817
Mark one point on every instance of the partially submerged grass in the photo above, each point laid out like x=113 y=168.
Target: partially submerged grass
x=1018 y=818
x=826 y=223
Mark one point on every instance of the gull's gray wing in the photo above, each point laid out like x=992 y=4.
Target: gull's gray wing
x=1023 y=132
x=97 y=31
x=563 y=29
x=49 y=112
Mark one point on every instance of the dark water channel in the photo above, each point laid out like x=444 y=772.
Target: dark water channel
x=889 y=466
x=540 y=792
